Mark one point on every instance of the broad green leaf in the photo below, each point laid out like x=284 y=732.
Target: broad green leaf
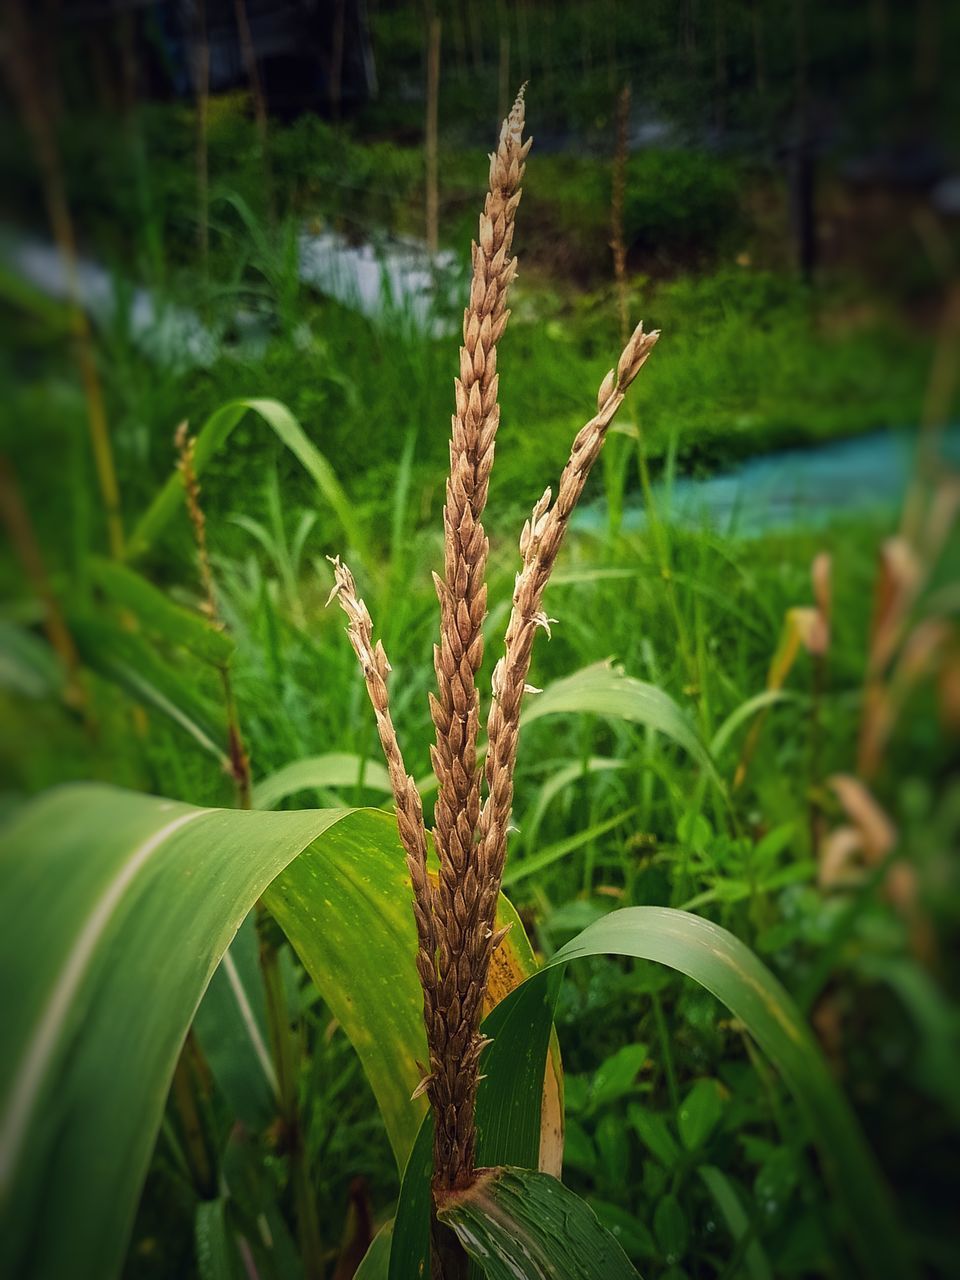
x=213 y=435
x=604 y=690
x=699 y=1112
x=90 y=1044
x=338 y=769
x=522 y=1223
x=725 y=1197
x=157 y=614
x=724 y=966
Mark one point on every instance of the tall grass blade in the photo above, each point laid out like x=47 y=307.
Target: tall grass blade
x=213 y=435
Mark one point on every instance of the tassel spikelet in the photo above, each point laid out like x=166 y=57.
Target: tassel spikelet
x=456 y=917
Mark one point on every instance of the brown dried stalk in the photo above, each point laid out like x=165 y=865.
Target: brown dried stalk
x=618 y=191
x=375 y=667
x=463 y=602
x=540 y=543
x=239 y=762
x=455 y=920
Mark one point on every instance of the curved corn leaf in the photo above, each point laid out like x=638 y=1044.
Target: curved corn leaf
x=337 y=769
x=126 y=660
x=98 y=874
x=157 y=614
x=212 y=436
x=724 y=966
x=603 y=690
x=522 y=1223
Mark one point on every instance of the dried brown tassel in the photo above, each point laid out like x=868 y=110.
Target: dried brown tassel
x=540 y=543
x=455 y=920
x=375 y=667
x=463 y=602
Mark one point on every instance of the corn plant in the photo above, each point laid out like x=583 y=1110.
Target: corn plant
x=122 y=907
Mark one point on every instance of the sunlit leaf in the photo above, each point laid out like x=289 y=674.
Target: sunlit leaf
x=327 y=772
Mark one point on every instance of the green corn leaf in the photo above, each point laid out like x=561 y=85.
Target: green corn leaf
x=603 y=690
x=724 y=966
x=714 y=958
x=128 y=661
x=157 y=614
x=332 y=771
x=95 y=875
x=213 y=435
x=522 y=1223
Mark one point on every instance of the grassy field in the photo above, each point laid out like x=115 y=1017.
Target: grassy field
x=687 y=1144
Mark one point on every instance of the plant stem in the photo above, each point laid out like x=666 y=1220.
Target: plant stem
x=284 y=1044
x=187 y=1079
x=666 y=1052
x=14 y=514
x=33 y=86
x=248 y=50
x=201 y=83
x=663 y=563
x=430 y=140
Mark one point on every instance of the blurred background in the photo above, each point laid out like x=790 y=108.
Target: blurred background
x=254 y=216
